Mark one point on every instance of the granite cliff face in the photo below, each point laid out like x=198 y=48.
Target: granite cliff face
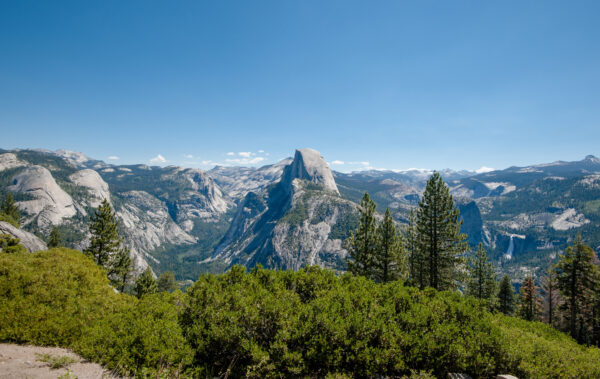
x=48 y=203
x=29 y=240
x=291 y=224
x=156 y=206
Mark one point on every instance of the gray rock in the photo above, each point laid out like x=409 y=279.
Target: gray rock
x=308 y=164
x=9 y=160
x=93 y=182
x=504 y=376
x=289 y=225
x=50 y=203
x=29 y=240
x=147 y=225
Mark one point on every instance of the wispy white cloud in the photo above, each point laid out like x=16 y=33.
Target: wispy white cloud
x=113 y=158
x=158 y=159
x=245 y=154
x=231 y=153
x=337 y=162
x=189 y=156
x=261 y=151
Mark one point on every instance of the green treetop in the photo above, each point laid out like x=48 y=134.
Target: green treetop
x=54 y=240
x=390 y=261
x=9 y=211
x=577 y=280
x=440 y=242
x=530 y=305
x=106 y=245
x=145 y=284
x=166 y=282
x=481 y=281
x=506 y=297
x=362 y=243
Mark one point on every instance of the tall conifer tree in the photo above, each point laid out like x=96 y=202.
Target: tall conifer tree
x=550 y=296
x=577 y=279
x=416 y=266
x=530 y=305
x=362 y=242
x=106 y=245
x=481 y=281
x=506 y=297
x=390 y=255
x=440 y=242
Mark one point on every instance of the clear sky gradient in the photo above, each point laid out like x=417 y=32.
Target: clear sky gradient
x=398 y=84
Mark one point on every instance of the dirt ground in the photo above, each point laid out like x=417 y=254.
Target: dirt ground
x=19 y=361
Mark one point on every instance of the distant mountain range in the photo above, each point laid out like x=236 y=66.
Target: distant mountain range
x=295 y=212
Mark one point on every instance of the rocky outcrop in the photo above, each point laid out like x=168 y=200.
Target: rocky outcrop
x=308 y=164
x=9 y=160
x=147 y=225
x=96 y=187
x=290 y=224
x=29 y=240
x=49 y=203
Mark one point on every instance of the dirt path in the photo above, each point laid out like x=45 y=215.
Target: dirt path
x=19 y=361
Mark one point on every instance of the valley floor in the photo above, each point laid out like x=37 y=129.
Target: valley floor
x=19 y=361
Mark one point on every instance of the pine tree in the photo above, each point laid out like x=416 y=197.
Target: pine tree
x=440 y=242
x=54 y=240
x=530 y=304
x=390 y=256
x=106 y=245
x=120 y=268
x=550 y=295
x=9 y=210
x=506 y=298
x=416 y=266
x=166 y=282
x=145 y=284
x=362 y=242
x=481 y=281
x=577 y=279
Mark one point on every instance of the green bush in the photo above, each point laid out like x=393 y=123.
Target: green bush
x=312 y=323
x=536 y=350
x=143 y=338
x=49 y=297
x=265 y=323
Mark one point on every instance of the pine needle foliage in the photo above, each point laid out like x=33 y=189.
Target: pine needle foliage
x=362 y=243
x=441 y=244
x=481 y=281
x=145 y=284
x=55 y=239
x=577 y=278
x=530 y=306
x=506 y=296
x=106 y=245
x=9 y=211
x=390 y=261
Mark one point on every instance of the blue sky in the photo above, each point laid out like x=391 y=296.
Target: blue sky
x=397 y=84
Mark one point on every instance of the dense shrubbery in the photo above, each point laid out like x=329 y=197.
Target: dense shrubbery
x=273 y=323
x=143 y=337
x=49 y=297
